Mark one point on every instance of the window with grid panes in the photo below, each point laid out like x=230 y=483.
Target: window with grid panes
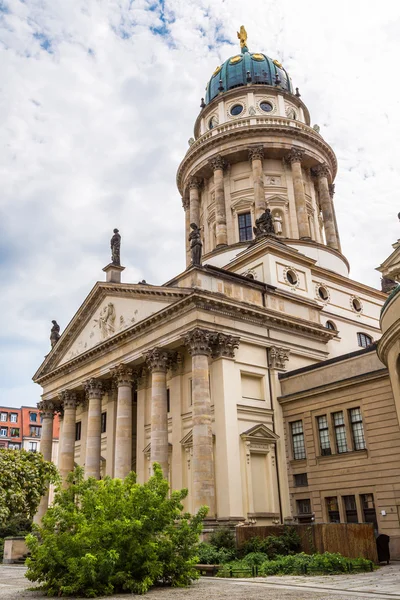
x=368 y=506
x=350 y=508
x=364 y=340
x=245 y=227
x=303 y=506
x=300 y=479
x=340 y=432
x=332 y=509
x=323 y=431
x=357 y=429
x=299 y=450
x=14 y=417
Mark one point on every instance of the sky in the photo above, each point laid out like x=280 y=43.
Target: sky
x=98 y=99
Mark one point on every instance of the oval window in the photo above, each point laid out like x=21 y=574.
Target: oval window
x=291 y=277
x=323 y=293
x=357 y=305
x=236 y=110
x=266 y=106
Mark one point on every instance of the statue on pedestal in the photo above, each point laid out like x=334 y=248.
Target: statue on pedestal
x=116 y=248
x=54 y=334
x=264 y=225
x=195 y=244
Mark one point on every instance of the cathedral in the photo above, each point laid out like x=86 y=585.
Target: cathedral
x=226 y=375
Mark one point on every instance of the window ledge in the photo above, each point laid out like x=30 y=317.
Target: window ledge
x=298 y=462
x=350 y=453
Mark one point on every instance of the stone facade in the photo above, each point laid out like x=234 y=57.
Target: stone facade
x=187 y=374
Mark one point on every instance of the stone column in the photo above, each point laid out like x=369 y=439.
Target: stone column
x=226 y=389
x=186 y=207
x=218 y=164
x=332 y=193
x=294 y=158
x=194 y=198
x=94 y=391
x=142 y=385
x=199 y=345
x=46 y=408
x=123 y=430
x=157 y=361
x=321 y=172
x=256 y=156
x=67 y=441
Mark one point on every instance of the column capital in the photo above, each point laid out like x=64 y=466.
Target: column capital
x=218 y=162
x=224 y=346
x=194 y=183
x=199 y=341
x=331 y=188
x=157 y=359
x=278 y=357
x=256 y=153
x=94 y=388
x=294 y=155
x=68 y=399
x=122 y=375
x=321 y=170
x=47 y=408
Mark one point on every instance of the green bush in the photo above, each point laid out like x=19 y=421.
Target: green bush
x=223 y=538
x=254 y=559
x=272 y=546
x=314 y=564
x=110 y=536
x=210 y=555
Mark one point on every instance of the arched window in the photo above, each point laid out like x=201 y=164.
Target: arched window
x=364 y=340
x=331 y=325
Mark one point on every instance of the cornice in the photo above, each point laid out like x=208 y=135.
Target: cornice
x=244 y=128
x=95 y=297
x=197 y=300
x=335 y=385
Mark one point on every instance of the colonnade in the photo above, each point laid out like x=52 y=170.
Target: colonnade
x=202 y=345
x=294 y=158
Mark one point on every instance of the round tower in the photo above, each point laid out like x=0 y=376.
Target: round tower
x=254 y=148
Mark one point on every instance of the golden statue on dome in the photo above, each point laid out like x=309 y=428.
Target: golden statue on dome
x=242 y=36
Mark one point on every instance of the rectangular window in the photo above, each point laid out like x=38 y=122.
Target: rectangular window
x=300 y=479
x=357 y=429
x=350 y=508
x=168 y=401
x=14 y=418
x=303 y=506
x=14 y=431
x=368 y=507
x=3 y=431
x=299 y=450
x=245 y=227
x=3 y=417
x=32 y=447
x=103 y=422
x=340 y=432
x=35 y=431
x=78 y=431
x=332 y=508
x=33 y=417
x=323 y=431
x=14 y=446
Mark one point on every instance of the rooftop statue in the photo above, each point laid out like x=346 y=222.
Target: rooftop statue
x=54 y=334
x=264 y=225
x=242 y=36
x=116 y=248
x=195 y=244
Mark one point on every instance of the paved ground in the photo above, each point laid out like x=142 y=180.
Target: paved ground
x=383 y=584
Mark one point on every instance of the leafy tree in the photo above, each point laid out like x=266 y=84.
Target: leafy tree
x=24 y=479
x=109 y=536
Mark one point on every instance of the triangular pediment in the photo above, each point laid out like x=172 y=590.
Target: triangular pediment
x=390 y=268
x=260 y=433
x=108 y=311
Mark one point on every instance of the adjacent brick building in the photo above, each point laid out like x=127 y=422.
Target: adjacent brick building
x=21 y=428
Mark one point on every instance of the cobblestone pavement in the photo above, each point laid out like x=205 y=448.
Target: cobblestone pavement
x=383 y=584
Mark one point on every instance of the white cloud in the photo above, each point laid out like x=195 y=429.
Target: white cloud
x=97 y=107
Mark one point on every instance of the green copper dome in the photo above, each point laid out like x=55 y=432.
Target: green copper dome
x=247 y=68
